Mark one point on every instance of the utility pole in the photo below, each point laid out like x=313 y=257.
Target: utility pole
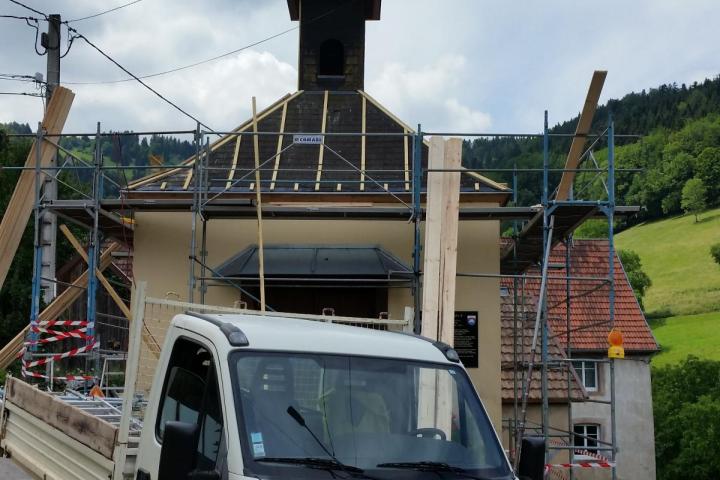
x=48 y=237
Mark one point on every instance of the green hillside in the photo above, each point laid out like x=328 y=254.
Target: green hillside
x=687 y=335
x=675 y=253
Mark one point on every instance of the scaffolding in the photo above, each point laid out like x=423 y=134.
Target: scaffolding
x=106 y=214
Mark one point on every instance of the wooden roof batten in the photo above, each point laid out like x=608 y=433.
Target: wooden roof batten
x=339 y=111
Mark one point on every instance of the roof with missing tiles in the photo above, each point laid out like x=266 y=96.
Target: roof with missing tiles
x=361 y=166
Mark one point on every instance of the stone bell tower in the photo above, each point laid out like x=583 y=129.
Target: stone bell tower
x=332 y=42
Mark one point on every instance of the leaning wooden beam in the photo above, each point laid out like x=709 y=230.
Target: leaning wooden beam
x=321 y=155
x=406 y=150
x=363 y=140
x=449 y=239
x=581 y=131
x=56 y=307
x=148 y=336
x=100 y=276
x=258 y=207
x=433 y=232
x=279 y=147
x=20 y=206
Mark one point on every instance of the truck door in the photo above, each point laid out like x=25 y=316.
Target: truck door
x=190 y=394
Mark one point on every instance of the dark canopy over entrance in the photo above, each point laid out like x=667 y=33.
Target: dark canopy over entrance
x=317 y=279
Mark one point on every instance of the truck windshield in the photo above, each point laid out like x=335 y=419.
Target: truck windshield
x=390 y=418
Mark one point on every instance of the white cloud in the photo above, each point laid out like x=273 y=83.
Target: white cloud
x=429 y=93
x=219 y=95
x=473 y=66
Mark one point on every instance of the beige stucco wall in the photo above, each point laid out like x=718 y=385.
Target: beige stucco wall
x=557 y=417
x=162 y=246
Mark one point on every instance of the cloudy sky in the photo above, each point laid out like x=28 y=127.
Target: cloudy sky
x=452 y=65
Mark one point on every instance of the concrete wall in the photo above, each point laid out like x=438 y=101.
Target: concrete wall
x=162 y=243
x=634 y=418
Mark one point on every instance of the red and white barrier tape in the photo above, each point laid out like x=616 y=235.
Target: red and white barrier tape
x=581 y=465
x=60 y=356
x=58 y=335
x=62 y=323
x=66 y=378
x=595 y=455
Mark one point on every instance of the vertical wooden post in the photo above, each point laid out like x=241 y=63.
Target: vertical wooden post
x=449 y=242
x=433 y=233
x=131 y=370
x=258 y=207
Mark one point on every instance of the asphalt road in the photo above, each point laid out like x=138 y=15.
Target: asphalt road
x=8 y=471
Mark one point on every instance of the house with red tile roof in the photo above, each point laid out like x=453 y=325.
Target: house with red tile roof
x=579 y=321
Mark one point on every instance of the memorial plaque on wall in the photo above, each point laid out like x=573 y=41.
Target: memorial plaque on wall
x=466 y=338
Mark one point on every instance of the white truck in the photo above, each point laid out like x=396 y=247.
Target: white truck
x=250 y=397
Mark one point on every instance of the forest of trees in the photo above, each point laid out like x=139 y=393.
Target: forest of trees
x=681 y=133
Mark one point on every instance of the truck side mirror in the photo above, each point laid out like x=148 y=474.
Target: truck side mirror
x=179 y=449
x=532 y=459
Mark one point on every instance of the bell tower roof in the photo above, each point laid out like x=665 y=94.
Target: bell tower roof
x=372 y=9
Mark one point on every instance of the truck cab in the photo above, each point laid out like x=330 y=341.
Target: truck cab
x=248 y=396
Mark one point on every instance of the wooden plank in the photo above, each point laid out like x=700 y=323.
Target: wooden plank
x=321 y=155
x=260 y=116
x=581 y=131
x=258 y=207
x=406 y=150
x=432 y=247
x=77 y=424
x=449 y=240
x=188 y=176
x=279 y=147
x=100 y=276
x=56 y=307
x=387 y=112
x=231 y=174
x=214 y=146
x=21 y=203
x=362 y=144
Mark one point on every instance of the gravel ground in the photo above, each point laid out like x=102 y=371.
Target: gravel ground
x=8 y=471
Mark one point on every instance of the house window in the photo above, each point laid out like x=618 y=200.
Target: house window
x=332 y=58
x=586 y=437
x=587 y=371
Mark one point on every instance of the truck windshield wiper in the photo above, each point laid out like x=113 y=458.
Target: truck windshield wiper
x=430 y=467
x=313 y=462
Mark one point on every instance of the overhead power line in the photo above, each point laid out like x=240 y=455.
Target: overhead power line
x=22 y=93
x=216 y=57
x=103 y=13
x=16 y=17
x=29 y=8
x=158 y=94
x=185 y=67
x=75 y=34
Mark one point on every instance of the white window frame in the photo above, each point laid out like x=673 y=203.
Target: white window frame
x=578 y=448
x=583 y=369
